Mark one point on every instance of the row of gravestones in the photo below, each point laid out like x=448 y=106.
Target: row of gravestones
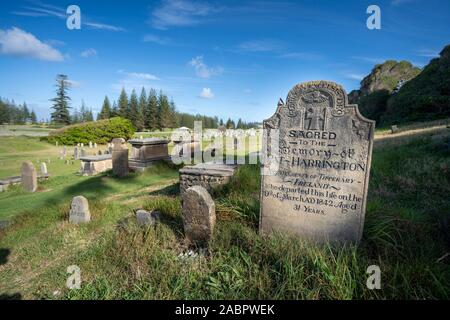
x=315 y=171
x=199 y=214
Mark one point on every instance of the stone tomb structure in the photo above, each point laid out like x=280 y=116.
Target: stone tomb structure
x=146 y=152
x=207 y=175
x=92 y=165
x=315 y=174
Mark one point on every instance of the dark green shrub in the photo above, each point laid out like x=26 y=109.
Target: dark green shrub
x=101 y=132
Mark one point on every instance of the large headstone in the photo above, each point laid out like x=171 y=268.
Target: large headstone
x=79 y=210
x=120 y=157
x=199 y=215
x=316 y=165
x=29 y=176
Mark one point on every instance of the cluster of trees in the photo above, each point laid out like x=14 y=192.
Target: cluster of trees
x=153 y=111
x=18 y=114
x=230 y=124
x=148 y=111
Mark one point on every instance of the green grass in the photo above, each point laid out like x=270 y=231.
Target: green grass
x=407 y=231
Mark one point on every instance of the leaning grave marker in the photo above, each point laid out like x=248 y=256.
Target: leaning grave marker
x=316 y=165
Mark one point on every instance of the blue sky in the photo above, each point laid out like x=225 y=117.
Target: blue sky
x=225 y=58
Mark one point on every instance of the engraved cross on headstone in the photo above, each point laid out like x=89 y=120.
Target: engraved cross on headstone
x=315 y=115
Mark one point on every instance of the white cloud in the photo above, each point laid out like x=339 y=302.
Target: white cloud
x=428 y=53
x=301 y=56
x=202 y=70
x=179 y=13
x=206 y=93
x=354 y=76
x=156 y=39
x=134 y=80
x=74 y=84
x=370 y=59
x=103 y=26
x=46 y=10
x=18 y=42
x=89 y=53
x=400 y=2
x=266 y=45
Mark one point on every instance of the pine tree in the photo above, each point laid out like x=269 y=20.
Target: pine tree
x=83 y=112
x=123 y=104
x=239 y=124
x=5 y=115
x=151 y=116
x=114 y=110
x=26 y=116
x=33 y=117
x=105 y=113
x=75 y=118
x=164 y=111
x=229 y=124
x=142 y=110
x=61 y=106
x=175 y=119
x=133 y=109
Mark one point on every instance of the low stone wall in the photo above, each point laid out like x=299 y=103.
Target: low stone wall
x=95 y=164
x=5 y=183
x=206 y=175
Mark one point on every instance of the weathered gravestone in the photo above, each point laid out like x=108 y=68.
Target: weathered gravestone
x=120 y=157
x=79 y=210
x=317 y=159
x=199 y=214
x=44 y=170
x=75 y=153
x=29 y=177
x=394 y=129
x=145 y=218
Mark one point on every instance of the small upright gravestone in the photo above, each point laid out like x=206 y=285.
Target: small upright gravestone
x=44 y=170
x=145 y=218
x=317 y=159
x=199 y=215
x=90 y=144
x=79 y=210
x=29 y=177
x=76 y=155
x=120 y=157
x=394 y=129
